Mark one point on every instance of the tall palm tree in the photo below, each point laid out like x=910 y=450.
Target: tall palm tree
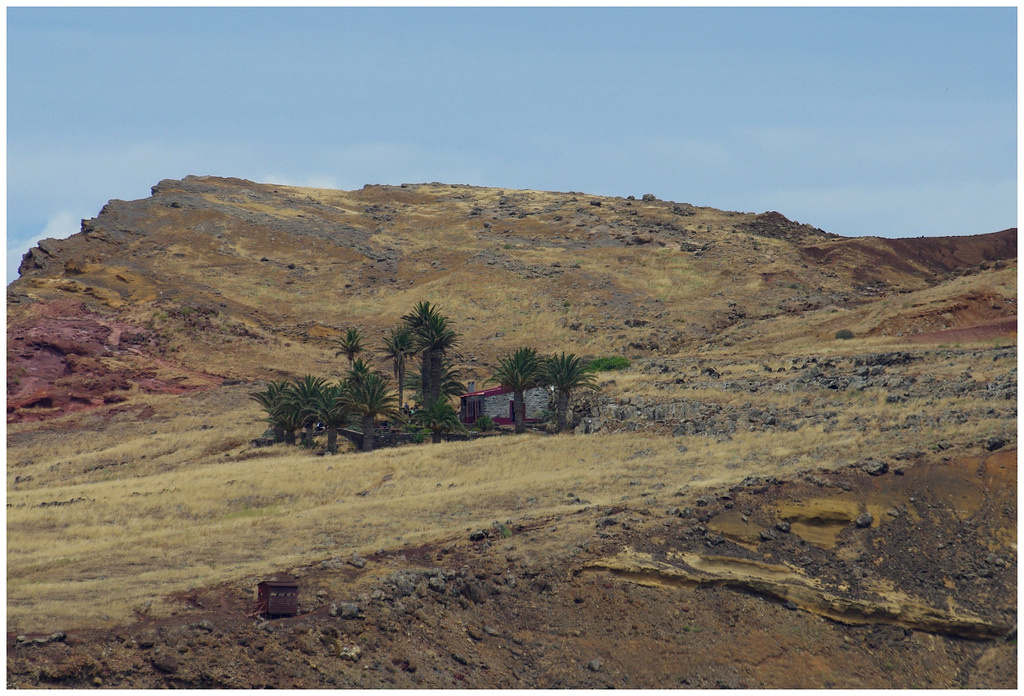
x=273 y=401
x=349 y=345
x=371 y=398
x=399 y=348
x=440 y=417
x=333 y=411
x=519 y=371
x=434 y=338
x=566 y=374
x=303 y=395
x=451 y=382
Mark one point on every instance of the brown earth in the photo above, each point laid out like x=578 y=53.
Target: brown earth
x=992 y=329
x=654 y=597
x=759 y=582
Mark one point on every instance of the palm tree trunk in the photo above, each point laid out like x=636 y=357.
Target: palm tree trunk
x=307 y=435
x=332 y=439
x=563 y=410
x=278 y=434
x=436 y=360
x=367 y=433
x=519 y=404
x=289 y=437
x=425 y=370
x=435 y=437
x=400 y=374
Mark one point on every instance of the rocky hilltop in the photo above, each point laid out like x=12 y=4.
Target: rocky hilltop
x=749 y=475
x=236 y=280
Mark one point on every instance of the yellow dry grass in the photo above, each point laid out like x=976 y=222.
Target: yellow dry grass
x=182 y=500
x=179 y=499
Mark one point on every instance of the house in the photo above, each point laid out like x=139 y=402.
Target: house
x=497 y=403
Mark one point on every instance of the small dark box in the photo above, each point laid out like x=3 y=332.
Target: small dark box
x=278 y=597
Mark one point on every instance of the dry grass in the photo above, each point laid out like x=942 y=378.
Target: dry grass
x=167 y=505
x=174 y=498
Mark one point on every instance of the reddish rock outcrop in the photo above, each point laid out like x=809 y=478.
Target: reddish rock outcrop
x=64 y=357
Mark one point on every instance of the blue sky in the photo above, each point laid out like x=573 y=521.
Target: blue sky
x=861 y=121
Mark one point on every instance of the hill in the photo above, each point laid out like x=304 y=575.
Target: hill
x=714 y=490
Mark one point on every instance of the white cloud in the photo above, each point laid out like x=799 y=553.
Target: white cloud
x=60 y=225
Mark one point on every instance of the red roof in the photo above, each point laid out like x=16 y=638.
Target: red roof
x=493 y=391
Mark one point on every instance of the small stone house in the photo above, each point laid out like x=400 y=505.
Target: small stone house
x=497 y=403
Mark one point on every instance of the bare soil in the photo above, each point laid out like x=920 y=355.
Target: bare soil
x=489 y=614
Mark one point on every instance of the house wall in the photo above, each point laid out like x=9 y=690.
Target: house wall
x=497 y=406
x=536 y=401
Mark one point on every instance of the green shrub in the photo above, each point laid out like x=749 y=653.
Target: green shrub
x=485 y=423
x=615 y=362
x=844 y=334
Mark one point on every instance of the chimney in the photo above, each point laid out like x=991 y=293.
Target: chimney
x=471 y=387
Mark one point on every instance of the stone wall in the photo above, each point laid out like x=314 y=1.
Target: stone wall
x=536 y=401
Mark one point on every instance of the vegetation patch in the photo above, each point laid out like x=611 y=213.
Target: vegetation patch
x=606 y=364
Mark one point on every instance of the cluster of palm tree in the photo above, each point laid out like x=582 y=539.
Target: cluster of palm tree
x=364 y=395
x=301 y=403
x=524 y=369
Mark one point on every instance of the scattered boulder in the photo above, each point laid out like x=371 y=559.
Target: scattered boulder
x=873 y=468
x=165 y=663
x=994 y=443
x=348 y=611
x=350 y=653
x=864 y=520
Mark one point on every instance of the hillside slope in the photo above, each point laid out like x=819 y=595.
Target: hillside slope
x=239 y=280
x=748 y=476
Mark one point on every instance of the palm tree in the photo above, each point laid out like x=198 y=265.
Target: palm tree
x=440 y=417
x=433 y=338
x=333 y=411
x=371 y=398
x=358 y=370
x=273 y=401
x=451 y=382
x=303 y=396
x=349 y=345
x=291 y=420
x=519 y=371
x=398 y=348
x=566 y=374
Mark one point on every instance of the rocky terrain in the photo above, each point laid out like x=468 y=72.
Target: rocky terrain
x=807 y=512
x=674 y=594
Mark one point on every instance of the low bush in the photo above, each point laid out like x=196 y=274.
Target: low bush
x=844 y=334
x=485 y=423
x=605 y=364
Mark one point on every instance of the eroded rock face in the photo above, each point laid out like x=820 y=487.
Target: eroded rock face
x=64 y=357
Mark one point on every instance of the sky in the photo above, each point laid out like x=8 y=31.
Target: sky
x=895 y=122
